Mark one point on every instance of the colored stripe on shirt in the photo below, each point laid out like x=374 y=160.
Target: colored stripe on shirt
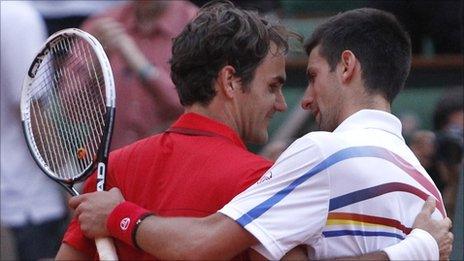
x=337 y=218
x=362 y=225
x=344 y=154
x=364 y=194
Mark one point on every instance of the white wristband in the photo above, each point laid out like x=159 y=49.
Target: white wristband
x=418 y=245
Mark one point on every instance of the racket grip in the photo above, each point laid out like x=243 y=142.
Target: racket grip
x=106 y=249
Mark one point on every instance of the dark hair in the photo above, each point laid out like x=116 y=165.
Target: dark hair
x=378 y=41
x=221 y=35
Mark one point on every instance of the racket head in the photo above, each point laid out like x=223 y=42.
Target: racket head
x=67 y=129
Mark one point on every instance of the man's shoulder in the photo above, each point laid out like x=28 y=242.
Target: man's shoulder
x=244 y=157
x=316 y=138
x=141 y=146
x=315 y=146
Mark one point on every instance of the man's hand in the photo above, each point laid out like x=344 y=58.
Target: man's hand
x=93 y=209
x=439 y=229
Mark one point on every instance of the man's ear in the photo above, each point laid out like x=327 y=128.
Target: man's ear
x=228 y=82
x=348 y=66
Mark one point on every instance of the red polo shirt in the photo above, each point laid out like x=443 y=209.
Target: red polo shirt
x=193 y=169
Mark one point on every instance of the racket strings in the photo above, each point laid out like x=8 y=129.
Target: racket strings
x=67 y=105
x=63 y=131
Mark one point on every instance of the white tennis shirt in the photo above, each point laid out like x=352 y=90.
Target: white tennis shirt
x=352 y=191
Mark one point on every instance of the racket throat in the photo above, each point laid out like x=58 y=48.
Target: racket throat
x=70 y=189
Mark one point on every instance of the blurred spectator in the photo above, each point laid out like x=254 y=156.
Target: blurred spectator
x=422 y=143
x=439 y=21
x=59 y=15
x=448 y=122
x=32 y=206
x=449 y=113
x=410 y=122
x=137 y=37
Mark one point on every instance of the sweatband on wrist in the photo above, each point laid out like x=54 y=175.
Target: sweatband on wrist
x=418 y=245
x=123 y=221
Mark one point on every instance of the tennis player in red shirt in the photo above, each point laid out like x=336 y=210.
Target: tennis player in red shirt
x=228 y=66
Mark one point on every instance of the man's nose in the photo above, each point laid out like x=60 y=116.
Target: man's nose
x=281 y=104
x=307 y=99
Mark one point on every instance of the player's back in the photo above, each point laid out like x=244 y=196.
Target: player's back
x=193 y=170
x=377 y=187
x=351 y=191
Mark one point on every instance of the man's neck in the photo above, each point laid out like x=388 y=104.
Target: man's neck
x=373 y=102
x=216 y=114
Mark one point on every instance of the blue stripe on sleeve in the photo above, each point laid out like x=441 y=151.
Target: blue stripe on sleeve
x=340 y=233
x=352 y=152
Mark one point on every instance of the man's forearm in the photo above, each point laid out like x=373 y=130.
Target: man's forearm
x=213 y=237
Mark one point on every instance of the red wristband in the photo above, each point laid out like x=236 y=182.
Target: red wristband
x=123 y=221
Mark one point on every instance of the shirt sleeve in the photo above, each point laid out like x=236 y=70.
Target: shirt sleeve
x=288 y=206
x=75 y=238
x=74 y=235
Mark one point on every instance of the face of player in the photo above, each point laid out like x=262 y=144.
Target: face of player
x=263 y=99
x=322 y=96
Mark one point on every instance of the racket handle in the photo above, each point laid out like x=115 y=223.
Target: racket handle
x=106 y=249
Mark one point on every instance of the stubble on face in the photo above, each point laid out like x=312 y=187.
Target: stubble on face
x=327 y=98
x=328 y=119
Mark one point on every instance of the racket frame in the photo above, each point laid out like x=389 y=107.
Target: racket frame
x=110 y=96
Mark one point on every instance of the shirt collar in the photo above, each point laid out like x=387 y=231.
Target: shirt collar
x=372 y=119
x=198 y=122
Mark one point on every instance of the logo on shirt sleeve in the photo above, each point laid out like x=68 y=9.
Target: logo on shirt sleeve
x=267 y=176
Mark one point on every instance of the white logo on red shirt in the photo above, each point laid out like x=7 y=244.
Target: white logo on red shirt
x=125 y=223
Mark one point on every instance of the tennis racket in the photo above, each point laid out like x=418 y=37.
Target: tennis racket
x=67 y=112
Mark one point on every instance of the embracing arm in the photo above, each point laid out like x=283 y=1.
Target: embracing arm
x=212 y=237
x=217 y=236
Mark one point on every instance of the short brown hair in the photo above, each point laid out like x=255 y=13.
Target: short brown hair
x=221 y=35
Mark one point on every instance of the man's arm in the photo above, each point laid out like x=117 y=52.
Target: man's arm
x=212 y=237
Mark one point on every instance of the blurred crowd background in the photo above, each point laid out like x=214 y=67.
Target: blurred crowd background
x=137 y=38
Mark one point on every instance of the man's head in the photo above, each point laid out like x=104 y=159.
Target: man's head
x=366 y=45
x=232 y=55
